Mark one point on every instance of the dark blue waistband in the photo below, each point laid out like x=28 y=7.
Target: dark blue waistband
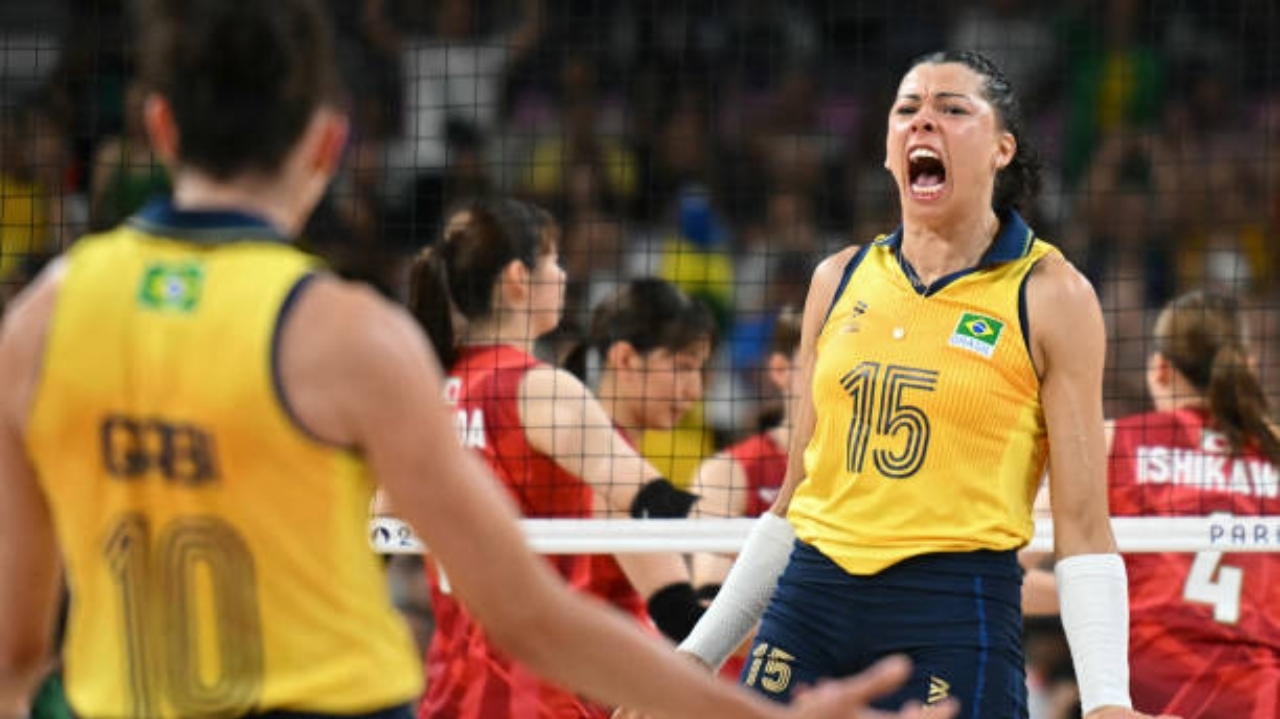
x=1002 y=564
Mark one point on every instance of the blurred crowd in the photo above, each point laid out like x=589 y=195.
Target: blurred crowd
x=726 y=146
x=723 y=145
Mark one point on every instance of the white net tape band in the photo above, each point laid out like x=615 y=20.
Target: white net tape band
x=614 y=536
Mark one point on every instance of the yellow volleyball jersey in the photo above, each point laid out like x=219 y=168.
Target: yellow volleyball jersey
x=930 y=435
x=217 y=555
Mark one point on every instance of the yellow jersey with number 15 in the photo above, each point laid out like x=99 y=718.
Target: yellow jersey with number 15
x=929 y=435
x=218 y=556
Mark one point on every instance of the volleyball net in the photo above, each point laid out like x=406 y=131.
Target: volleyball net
x=725 y=147
x=1220 y=533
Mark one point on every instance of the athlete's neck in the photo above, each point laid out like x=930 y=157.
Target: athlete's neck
x=500 y=331
x=263 y=197
x=936 y=250
x=1177 y=395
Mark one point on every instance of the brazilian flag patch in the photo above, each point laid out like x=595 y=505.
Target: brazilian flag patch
x=172 y=286
x=977 y=333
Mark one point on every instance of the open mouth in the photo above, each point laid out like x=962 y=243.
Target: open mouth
x=925 y=172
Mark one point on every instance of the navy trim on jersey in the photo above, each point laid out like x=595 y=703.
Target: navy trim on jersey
x=1012 y=242
x=1023 y=321
x=844 y=280
x=277 y=382
x=161 y=218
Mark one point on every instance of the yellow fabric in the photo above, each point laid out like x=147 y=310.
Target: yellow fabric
x=705 y=273
x=24 y=230
x=678 y=452
x=921 y=445
x=233 y=572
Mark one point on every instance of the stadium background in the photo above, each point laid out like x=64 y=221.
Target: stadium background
x=726 y=145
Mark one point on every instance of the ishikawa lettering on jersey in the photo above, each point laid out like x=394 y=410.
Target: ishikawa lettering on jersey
x=1213 y=471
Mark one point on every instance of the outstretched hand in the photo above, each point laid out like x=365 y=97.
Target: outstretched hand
x=851 y=698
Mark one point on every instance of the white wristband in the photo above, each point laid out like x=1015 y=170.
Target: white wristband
x=745 y=593
x=1093 y=592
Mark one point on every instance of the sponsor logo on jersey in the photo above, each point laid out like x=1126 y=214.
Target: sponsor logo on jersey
x=977 y=333
x=172 y=286
x=939 y=689
x=851 y=324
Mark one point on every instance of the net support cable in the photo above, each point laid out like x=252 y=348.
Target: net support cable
x=616 y=536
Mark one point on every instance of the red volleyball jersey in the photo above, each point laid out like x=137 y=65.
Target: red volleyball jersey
x=765 y=464
x=467 y=677
x=1204 y=628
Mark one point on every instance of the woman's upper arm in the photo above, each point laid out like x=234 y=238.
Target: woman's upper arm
x=564 y=421
x=822 y=292
x=1068 y=342
x=722 y=487
x=383 y=389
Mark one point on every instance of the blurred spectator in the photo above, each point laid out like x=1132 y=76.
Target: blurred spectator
x=1128 y=257
x=1116 y=76
x=454 y=71
x=681 y=153
x=579 y=144
x=360 y=256
x=36 y=210
x=696 y=253
x=594 y=240
x=31 y=47
x=788 y=230
x=125 y=171
x=1014 y=34
x=1051 y=685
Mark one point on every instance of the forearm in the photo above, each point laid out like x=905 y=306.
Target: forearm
x=745 y=593
x=620 y=665
x=1082 y=528
x=1094 y=598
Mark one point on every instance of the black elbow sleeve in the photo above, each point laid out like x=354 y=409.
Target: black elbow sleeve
x=660 y=499
x=674 y=609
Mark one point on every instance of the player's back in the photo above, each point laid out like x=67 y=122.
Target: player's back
x=1205 y=627
x=216 y=552
x=467 y=676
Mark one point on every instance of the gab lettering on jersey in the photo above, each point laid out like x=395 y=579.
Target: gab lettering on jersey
x=133 y=448
x=468 y=425
x=1209 y=468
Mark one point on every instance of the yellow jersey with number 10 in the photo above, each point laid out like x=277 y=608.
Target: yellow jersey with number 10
x=929 y=435
x=218 y=556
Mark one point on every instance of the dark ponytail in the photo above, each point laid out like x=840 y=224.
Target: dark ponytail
x=1202 y=336
x=430 y=304
x=455 y=278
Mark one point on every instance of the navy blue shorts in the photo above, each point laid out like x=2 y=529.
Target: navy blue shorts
x=958 y=616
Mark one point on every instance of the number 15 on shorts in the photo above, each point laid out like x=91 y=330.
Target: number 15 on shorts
x=771 y=667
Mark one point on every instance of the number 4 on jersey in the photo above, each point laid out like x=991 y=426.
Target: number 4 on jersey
x=1222 y=592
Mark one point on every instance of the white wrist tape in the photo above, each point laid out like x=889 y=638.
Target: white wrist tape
x=745 y=593
x=1093 y=592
